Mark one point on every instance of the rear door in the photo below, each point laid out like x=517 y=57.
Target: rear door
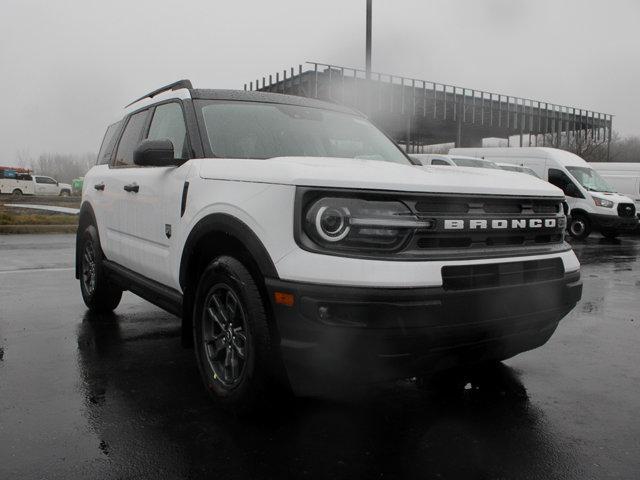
x=155 y=211
x=97 y=186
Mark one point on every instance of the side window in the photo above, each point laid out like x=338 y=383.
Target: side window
x=106 y=149
x=437 y=161
x=50 y=181
x=563 y=182
x=130 y=139
x=168 y=123
x=41 y=180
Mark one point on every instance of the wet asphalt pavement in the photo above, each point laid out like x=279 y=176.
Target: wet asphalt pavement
x=117 y=397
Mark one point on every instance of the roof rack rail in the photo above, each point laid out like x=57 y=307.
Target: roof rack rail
x=172 y=86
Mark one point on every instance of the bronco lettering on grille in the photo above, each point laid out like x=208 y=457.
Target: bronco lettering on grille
x=501 y=224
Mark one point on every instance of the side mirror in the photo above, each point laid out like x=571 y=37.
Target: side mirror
x=154 y=153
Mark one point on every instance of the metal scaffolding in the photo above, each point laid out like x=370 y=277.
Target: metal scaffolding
x=416 y=112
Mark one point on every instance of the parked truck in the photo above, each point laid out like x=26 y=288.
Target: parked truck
x=20 y=181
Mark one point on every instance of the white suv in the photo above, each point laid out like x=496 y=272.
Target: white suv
x=303 y=248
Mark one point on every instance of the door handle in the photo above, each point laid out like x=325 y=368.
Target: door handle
x=99 y=186
x=132 y=187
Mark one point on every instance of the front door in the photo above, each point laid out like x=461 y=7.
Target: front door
x=46 y=186
x=561 y=180
x=154 y=211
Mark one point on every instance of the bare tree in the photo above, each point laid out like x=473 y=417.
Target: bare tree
x=63 y=167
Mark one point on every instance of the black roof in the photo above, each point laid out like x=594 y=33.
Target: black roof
x=266 y=97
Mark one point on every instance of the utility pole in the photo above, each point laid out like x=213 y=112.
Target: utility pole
x=368 y=51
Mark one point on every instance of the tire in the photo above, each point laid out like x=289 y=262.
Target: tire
x=17 y=192
x=98 y=294
x=580 y=226
x=233 y=346
x=65 y=193
x=609 y=233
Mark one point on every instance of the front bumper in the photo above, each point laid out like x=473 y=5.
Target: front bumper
x=335 y=334
x=613 y=222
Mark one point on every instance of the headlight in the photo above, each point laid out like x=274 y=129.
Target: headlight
x=349 y=224
x=601 y=202
x=332 y=223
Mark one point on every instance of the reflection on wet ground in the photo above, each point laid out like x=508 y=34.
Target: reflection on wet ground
x=115 y=396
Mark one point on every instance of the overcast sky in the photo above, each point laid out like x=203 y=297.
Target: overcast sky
x=67 y=67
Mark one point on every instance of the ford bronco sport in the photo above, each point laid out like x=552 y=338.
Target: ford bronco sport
x=301 y=247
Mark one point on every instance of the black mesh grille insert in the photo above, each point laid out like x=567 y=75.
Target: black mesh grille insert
x=626 y=209
x=442 y=207
x=502 y=207
x=465 y=277
x=553 y=207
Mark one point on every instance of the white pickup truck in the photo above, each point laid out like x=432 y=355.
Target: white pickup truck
x=26 y=184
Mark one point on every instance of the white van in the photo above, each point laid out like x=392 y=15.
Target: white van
x=16 y=183
x=593 y=203
x=624 y=177
x=453 y=160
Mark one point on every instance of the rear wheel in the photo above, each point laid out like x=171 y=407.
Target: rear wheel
x=580 y=227
x=17 y=192
x=98 y=293
x=609 y=233
x=233 y=345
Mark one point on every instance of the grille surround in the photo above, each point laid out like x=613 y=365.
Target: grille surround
x=439 y=243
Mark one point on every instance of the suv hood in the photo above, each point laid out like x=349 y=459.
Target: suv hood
x=375 y=175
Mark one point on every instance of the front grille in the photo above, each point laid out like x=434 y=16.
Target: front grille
x=467 y=234
x=626 y=210
x=465 y=277
x=487 y=205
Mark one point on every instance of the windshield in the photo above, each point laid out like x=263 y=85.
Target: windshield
x=266 y=130
x=515 y=168
x=590 y=179
x=471 y=162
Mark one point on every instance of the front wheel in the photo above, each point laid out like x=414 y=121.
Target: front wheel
x=580 y=227
x=65 y=193
x=98 y=293
x=609 y=233
x=233 y=345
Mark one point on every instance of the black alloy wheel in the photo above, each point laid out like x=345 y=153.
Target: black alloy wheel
x=224 y=327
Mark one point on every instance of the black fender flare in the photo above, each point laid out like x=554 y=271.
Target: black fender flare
x=232 y=226
x=86 y=217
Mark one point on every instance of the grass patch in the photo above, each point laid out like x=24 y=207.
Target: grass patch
x=10 y=218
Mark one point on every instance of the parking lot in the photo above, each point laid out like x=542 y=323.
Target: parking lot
x=117 y=397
